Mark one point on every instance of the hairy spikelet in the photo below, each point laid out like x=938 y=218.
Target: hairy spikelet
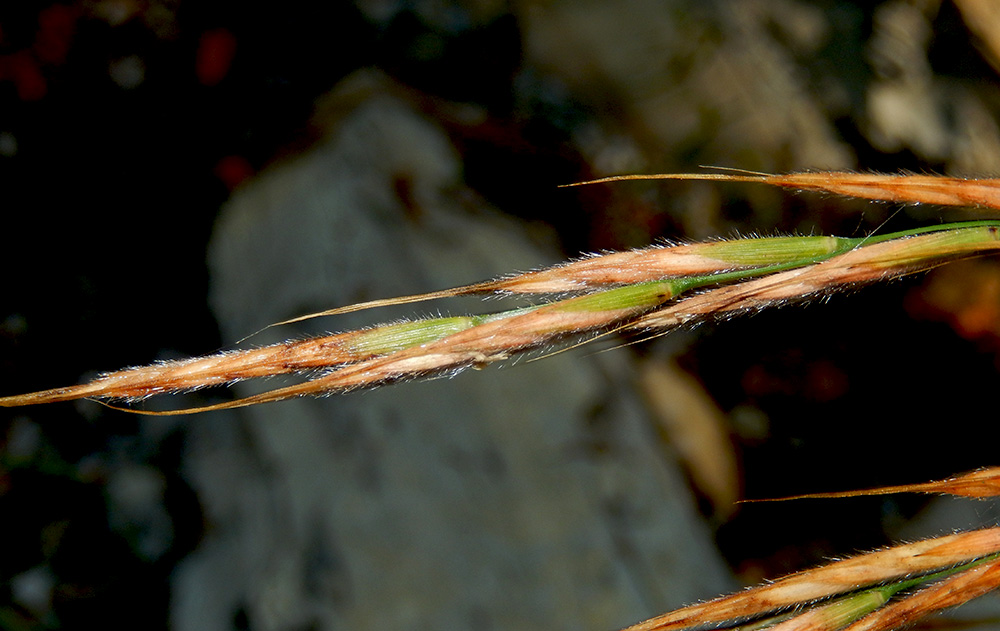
x=836 y=578
x=740 y=275
x=647 y=292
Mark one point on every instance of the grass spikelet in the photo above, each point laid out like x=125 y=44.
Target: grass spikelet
x=981 y=483
x=878 y=261
x=833 y=579
x=630 y=267
x=913 y=189
x=757 y=273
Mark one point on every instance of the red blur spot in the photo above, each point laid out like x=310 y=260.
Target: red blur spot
x=233 y=171
x=22 y=69
x=216 y=51
x=53 y=39
x=56 y=26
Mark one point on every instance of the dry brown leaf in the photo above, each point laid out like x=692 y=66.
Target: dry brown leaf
x=697 y=430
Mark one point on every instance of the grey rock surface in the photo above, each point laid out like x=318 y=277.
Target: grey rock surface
x=529 y=497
